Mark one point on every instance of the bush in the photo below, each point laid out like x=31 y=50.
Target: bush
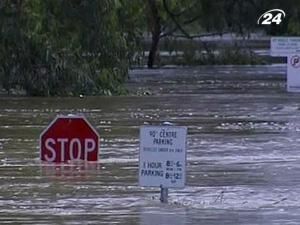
x=62 y=47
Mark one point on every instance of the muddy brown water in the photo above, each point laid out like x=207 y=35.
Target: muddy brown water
x=243 y=152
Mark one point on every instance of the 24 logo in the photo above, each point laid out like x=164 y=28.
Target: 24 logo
x=271 y=16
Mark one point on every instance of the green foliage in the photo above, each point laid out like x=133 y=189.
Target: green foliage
x=51 y=47
x=199 y=18
x=71 y=47
x=132 y=25
x=195 y=52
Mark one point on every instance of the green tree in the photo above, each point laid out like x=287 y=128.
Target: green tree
x=51 y=47
x=198 y=18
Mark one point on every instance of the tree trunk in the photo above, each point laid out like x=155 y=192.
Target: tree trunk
x=154 y=22
x=153 y=49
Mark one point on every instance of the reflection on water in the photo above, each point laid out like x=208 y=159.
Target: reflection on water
x=163 y=216
x=243 y=152
x=73 y=171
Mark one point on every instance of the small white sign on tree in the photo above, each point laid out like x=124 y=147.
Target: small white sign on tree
x=162 y=161
x=284 y=46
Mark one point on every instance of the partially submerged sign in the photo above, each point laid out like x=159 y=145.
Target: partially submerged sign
x=284 y=46
x=289 y=47
x=69 y=138
x=162 y=160
x=293 y=71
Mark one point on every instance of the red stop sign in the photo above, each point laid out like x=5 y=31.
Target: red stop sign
x=69 y=138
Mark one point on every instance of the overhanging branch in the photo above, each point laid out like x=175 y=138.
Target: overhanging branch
x=172 y=16
x=202 y=35
x=170 y=32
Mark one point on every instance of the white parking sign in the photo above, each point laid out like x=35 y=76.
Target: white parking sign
x=289 y=47
x=293 y=71
x=162 y=160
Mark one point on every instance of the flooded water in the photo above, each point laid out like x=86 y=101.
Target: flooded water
x=243 y=152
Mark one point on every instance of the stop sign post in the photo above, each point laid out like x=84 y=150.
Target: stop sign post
x=69 y=138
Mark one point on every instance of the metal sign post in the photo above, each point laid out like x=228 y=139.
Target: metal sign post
x=164 y=192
